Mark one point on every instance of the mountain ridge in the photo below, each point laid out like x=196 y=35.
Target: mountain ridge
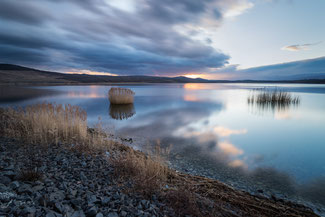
x=11 y=74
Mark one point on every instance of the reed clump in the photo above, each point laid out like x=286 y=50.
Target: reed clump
x=273 y=98
x=117 y=95
x=48 y=123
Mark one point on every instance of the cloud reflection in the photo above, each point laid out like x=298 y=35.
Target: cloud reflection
x=196 y=149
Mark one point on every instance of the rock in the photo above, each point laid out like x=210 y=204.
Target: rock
x=9 y=168
x=260 y=191
x=123 y=213
x=76 y=202
x=91 y=212
x=99 y=215
x=79 y=213
x=14 y=185
x=11 y=174
x=5 y=180
x=57 y=196
x=53 y=214
x=25 y=189
x=59 y=207
x=38 y=188
x=83 y=177
x=3 y=188
x=7 y=196
x=112 y=214
x=28 y=211
x=105 y=201
x=91 y=199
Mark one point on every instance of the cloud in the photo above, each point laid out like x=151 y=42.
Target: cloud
x=303 y=69
x=298 y=47
x=120 y=37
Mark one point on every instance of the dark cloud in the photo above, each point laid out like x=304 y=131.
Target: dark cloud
x=94 y=35
x=21 y=11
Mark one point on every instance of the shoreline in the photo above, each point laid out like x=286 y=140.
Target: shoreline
x=231 y=202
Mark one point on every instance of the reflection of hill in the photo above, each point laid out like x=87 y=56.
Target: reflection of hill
x=120 y=112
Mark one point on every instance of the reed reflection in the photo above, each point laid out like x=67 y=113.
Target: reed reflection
x=121 y=112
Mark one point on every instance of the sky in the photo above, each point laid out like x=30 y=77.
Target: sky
x=212 y=39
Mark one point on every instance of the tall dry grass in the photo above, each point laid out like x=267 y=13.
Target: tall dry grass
x=148 y=173
x=117 y=95
x=49 y=123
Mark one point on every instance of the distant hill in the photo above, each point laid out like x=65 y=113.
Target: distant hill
x=19 y=75
x=14 y=74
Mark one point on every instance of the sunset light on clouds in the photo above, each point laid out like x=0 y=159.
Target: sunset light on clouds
x=209 y=39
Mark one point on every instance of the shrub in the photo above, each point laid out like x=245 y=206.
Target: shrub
x=118 y=95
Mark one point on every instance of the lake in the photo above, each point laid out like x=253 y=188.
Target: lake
x=212 y=130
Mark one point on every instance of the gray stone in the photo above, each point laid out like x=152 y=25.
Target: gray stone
x=112 y=214
x=123 y=213
x=38 y=188
x=105 y=201
x=14 y=185
x=91 y=199
x=28 y=211
x=25 y=189
x=83 y=177
x=76 y=202
x=92 y=211
x=57 y=196
x=9 y=173
x=99 y=215
x=53 y=214
x=79 y=213
x=5 y=180
x=59 y=207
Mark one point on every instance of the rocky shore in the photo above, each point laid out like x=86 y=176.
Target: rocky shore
x=73 y=183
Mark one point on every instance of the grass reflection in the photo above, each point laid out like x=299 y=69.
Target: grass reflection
x=121 y=112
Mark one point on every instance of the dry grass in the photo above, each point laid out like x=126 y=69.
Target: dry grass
x=47 y=124
x=147 y=173
x=117 y=95
x=30 y=175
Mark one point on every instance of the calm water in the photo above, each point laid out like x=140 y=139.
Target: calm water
x=211 y=130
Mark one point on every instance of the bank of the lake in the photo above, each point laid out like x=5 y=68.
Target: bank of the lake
x=73 y=183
